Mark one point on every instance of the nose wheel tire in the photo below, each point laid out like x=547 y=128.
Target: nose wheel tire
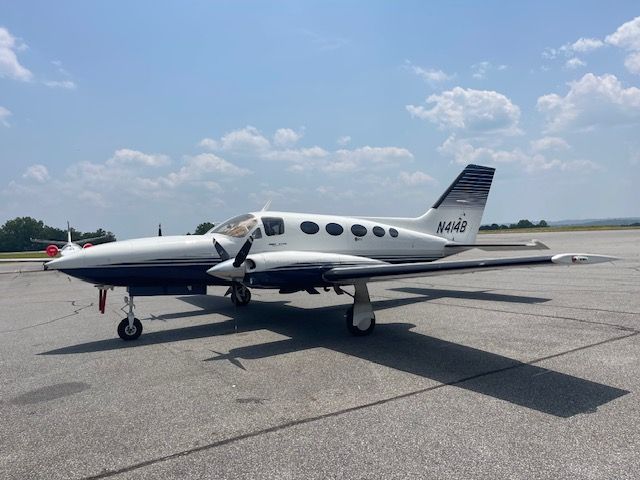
x=240 y=295
x=126 y=332
x=364 y=327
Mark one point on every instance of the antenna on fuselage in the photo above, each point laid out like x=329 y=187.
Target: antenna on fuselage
x=159 y=229
x=266 y=206
x=68 y=232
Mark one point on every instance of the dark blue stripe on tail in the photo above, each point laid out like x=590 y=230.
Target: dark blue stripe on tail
x=470 y=189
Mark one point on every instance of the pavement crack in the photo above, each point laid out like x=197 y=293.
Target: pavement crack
x=303 y=421
x=75 y=312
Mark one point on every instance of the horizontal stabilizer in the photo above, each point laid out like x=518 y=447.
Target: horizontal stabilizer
x=493 y=247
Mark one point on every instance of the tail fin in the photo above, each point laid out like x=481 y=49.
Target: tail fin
x=457 y=214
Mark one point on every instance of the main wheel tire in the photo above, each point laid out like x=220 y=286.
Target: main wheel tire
x=125 y=332
x=353 y=329
x=243 y=299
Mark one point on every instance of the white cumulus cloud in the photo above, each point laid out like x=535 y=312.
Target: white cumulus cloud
x=413 y=179
x=549 y=143
x=463 y=152
x=4 y=115
x=9 y=64
x=584 y=45
x=432 y=76
x=126 y=155
x=345 y=160
x=36 y=172
x=300 y=156
x=208 y=143
x=65 y=84
x=574 y=63
x=248 y=139
x=632 y=62
x=285 y=137
x=627 y=36
x=480 y=70
x=591 y=101
x=471 y=111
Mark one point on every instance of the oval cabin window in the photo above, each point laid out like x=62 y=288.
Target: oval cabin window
x=359 y=230
x=309 y=227
x=378 y=231
x=334 y=229
x=393 y=232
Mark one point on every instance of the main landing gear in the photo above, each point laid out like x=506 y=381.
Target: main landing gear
x=129 y=328
x=360 y=318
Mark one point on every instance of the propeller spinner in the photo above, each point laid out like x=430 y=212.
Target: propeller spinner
x=233 y=270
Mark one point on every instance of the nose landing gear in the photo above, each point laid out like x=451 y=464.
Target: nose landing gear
x=129 y=328
x=240 y=295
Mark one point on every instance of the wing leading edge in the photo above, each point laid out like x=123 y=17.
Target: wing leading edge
x=372 y=273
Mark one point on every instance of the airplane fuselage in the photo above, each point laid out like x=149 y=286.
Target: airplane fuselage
x=184 y=260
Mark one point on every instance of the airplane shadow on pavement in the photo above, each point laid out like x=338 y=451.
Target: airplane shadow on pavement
x=394 y=345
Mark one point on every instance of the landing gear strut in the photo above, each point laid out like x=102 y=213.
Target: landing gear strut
x=240 y=295
x=360 y=317
x=129 y=328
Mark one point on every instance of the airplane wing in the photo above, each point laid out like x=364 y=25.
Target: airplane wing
x=373 y=273
x=59 y=243
x=82 y=241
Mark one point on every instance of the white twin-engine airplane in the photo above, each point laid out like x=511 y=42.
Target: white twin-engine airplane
x=302 y=252
x=55 y=247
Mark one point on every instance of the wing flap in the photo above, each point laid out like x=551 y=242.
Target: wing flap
x=496 y=247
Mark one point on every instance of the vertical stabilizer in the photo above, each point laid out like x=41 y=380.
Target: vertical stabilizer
x=457 y=214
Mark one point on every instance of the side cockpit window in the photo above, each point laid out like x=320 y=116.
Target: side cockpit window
x=273 y=226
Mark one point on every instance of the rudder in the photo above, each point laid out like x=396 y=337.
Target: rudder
x=457 y=214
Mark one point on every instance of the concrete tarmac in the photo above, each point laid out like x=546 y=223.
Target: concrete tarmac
x=523 y=373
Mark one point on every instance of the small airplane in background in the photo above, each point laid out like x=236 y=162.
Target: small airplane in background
x=294 y=252
x=62 y=248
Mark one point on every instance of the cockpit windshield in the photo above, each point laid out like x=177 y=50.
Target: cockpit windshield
x=237 y=227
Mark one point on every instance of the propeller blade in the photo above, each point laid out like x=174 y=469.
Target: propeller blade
x=221 y=251
x=244 y=251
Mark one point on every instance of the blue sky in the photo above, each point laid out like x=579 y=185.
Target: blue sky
x=125 y=114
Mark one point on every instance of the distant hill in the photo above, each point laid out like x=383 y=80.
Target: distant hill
x=593 y=222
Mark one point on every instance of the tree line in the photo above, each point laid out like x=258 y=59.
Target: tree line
x=521 y=224
x=16 y=234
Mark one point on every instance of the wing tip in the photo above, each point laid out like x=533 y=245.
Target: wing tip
x=581 y=258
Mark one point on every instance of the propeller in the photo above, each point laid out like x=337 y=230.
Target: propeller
x=221 y=251
x=244 y=251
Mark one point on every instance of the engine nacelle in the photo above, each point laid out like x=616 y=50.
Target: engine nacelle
x=87 y=245
x=52 y=250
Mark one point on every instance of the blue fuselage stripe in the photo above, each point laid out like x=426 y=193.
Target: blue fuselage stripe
x=172 y=272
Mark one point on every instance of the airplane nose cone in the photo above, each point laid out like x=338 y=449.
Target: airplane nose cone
x=54 y=264
x=69 y=261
